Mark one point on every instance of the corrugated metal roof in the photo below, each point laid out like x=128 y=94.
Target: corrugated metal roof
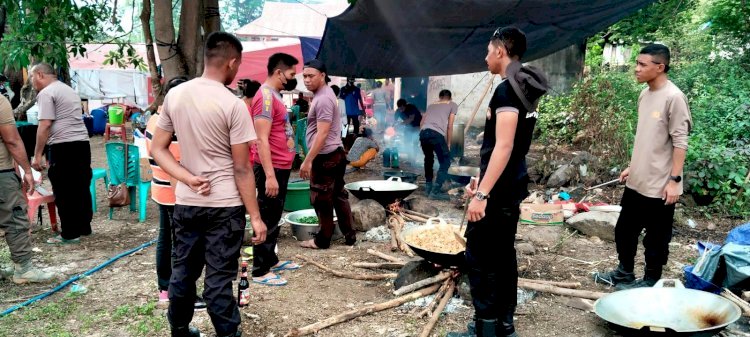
x=280 y=19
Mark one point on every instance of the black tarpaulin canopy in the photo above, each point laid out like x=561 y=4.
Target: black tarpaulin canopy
x=401 y=38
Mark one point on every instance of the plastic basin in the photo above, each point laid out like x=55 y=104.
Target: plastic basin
x=116 y=115
x=297 y=196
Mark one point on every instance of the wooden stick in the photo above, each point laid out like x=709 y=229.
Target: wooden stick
x=397 y=223
x=479 y=104
x=394 y=239
x=347 y=275
x=570 y=285
x=421 y=215
x=427 y=311
x=385 y=256
x=546 y=288
x=414 y=218
x=423 y=283
x=386 y=265
x=351 y=314
x=436 y=314
x=736 y=300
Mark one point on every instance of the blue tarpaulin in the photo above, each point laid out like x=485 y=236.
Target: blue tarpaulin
x=310 y=46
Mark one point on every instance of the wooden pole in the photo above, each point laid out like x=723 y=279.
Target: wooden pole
x=479 y=104
x=546 y=288
x=385 y=256
x=385 y=265
x=736 y=300
x=343 y=317
x=352 y=276
x=571 y=285
x=436 y=315
x=423 y=283
x=430 y=307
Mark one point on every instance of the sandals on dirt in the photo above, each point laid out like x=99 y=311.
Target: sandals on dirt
x=58 y=240
x=285 y=265
x=273 y=281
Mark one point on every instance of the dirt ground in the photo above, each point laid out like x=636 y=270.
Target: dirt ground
x=120 y=299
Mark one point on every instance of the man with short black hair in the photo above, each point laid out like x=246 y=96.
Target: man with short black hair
x=653 y=180
x=435 y=138
x=495 y=201
x=69 y=155
x=352 y=96
x=272 y=157
x=215 y=187
x=325 y=163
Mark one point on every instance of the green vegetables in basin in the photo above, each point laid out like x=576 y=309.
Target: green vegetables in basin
x=308 y=220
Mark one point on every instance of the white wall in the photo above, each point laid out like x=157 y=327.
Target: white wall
x=464 y=86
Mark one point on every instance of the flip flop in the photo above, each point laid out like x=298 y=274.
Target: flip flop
x=273 y=281
x=58 y=240
x=286 y=265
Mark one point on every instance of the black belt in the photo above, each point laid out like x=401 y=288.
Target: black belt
x=8 y=170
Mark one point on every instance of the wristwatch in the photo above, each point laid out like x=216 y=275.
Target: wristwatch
x=481 y=196
x=676 y=179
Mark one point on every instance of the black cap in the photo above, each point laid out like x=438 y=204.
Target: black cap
x=319 y=65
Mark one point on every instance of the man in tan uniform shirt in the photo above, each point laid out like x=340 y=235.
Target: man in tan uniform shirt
x=654 y=178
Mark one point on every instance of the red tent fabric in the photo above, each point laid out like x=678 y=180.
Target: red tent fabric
x=254 y=62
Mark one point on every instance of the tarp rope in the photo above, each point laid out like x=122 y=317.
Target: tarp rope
x=75 y=278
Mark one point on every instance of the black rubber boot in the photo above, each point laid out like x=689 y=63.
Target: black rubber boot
x=236 y=334
x=470 y=331
x=650 y=277
x=505 y=325
x=427 y=188
x=615 y=277
x=185 y=331
x=487 y=328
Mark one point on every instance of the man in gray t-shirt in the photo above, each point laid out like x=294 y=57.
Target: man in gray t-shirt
x=435 y=135
x=69 y=155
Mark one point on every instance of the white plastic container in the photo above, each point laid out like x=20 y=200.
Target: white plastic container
x=32 y=117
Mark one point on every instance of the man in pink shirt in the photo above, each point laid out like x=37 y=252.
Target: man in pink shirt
x=215 y=187
x=272 y=158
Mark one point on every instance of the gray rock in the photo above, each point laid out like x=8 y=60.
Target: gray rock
x=422 y=205
x=367 y=214
x=525 y=248
x=414 y=271
x=595 y=223
x=583 y=158
x=545 y=236
x=378 y=234
x=562 y=176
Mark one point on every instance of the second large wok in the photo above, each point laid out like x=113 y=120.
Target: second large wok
x=384 y=192
x=440 y=258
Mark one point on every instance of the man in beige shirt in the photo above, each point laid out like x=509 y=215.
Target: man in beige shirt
x=653 y=181
x=215 y=187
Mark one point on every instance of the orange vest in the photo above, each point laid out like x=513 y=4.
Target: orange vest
x=162 y=184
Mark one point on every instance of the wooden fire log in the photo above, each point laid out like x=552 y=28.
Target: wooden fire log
x=413 y=217
x=570 y=285
x=373 y=277
x=385 y=265
x=385 y=256
x=351 y=314
x=726 y=293
x=427 y=311
x=394 y=239
x=423 y=283
x=436 y=314
x=397 y=223
x=421 y=215
x=546 y=288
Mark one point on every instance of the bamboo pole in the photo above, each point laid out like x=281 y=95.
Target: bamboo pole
x=367 y=277
x=546 y=288
x=351 y=314
x=423 y=283
x=479 y=104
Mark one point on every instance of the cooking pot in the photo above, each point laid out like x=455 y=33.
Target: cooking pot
x=663 y=311
x=462 y=174
x=406 y=177
x=443 y=259
x=385 y=192
x=304 y=231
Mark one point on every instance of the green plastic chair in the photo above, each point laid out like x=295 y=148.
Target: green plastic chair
x=300 y=137
x=115 y=153
x=96 y=174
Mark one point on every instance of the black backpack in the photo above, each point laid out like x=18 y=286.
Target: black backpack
x=529 y=83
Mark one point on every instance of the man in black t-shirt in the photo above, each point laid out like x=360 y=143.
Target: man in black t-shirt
x=494 y=208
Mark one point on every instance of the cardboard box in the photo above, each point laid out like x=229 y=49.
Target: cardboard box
x=542 y=214
x=145 y=168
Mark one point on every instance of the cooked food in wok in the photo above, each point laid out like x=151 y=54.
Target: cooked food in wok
x=438 y=239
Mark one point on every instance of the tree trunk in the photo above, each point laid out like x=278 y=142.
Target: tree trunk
x=156 y=87
x=190 y=42
x=172 y=62
x=3 y=17
x=211 y=16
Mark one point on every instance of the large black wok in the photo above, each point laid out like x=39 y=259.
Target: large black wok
x=385 y=192
x=462 y=174
x=442 y=259
x=662 y=311
x=406 y=177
